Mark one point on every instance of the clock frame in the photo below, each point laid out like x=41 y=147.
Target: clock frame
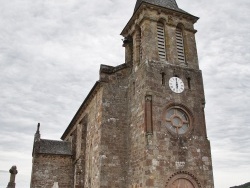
x=176 y=84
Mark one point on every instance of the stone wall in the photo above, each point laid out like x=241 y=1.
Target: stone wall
x=85 y=135
x=137 y=135
x=48 y=169
x=168 y=154
x=114 y=130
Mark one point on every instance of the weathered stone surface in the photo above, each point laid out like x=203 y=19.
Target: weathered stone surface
x=13 y=172
x=119 y=137
x=48 y=169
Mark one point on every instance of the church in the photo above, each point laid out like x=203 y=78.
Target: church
x=142 y=125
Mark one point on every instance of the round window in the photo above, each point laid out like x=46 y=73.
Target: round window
x=177 y=121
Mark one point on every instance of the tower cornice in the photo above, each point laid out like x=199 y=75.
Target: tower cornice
x=145 y=6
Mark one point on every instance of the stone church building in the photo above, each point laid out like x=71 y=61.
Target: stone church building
x=142 y=125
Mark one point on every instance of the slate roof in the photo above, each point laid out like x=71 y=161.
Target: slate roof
x=171 y=4
x=54 y=147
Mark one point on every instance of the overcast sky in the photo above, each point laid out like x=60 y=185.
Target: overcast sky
x=50 y=53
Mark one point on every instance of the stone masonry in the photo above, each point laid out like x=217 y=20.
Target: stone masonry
x=121 y=136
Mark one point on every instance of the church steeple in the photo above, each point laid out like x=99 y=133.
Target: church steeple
x=166 y=84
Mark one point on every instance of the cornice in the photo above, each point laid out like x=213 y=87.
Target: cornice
x=110 y=69
x=160 y=10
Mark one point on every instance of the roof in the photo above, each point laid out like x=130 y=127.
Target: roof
x=103 y=69
x=78 y=113
x=54 y=147
x=170 y=4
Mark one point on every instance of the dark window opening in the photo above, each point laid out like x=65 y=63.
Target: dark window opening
x=189 y=83
x=133 y=87
x=163 y=81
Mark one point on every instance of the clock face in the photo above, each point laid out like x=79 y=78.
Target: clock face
x=176 y=85
x=177 y=121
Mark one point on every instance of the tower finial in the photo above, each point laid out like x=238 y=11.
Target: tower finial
x=37 y=137
x=37 y=134
x=38 y=129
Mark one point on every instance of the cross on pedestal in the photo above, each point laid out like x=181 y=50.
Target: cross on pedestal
x=13 y=172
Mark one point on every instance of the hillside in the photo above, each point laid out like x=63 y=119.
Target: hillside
x=246 y=185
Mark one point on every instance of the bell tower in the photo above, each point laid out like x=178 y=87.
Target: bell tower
x=168 y=144
x=161 y=31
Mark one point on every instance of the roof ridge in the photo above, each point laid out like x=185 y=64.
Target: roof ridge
x=170 y=4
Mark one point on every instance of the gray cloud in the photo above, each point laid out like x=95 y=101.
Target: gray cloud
x=3 y=171
x=50 y=56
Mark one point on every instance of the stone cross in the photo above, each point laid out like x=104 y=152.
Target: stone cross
x=13 y=172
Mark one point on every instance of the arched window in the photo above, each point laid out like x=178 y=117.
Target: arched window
x=161 y=41
x=180 y=45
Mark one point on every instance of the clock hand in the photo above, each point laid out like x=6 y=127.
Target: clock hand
x=176 y=83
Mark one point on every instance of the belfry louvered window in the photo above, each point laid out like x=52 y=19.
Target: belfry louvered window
x=161 y=41
x=180 y=46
